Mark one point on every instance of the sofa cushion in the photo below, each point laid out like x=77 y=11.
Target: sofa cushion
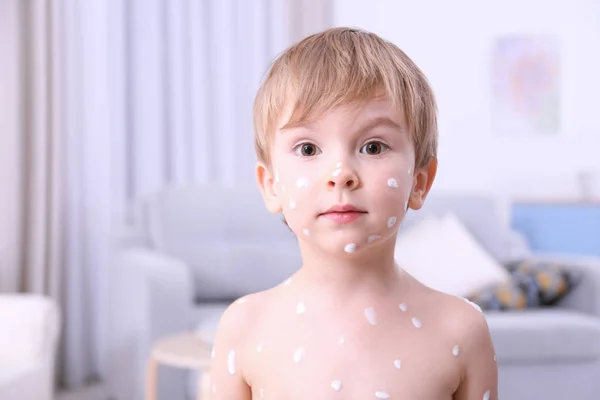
x=532 y=284
x=232 y=244
x=442 y=254
x=539 y=335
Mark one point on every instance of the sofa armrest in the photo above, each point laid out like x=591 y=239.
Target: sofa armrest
x=585 y=297
x=151 y=297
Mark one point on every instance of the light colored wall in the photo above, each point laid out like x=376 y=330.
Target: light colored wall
x=452 y=41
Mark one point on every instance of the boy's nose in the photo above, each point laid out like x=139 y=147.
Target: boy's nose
x=343 y=178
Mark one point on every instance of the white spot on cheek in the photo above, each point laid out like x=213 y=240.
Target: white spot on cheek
x=382 y=395
x=302 y=183
x=306 y=231
x=370 y=315
x=486 y=395
x=403 y=307
x=455 y=351
x=300 y=308
x=350 y=248
x=391 y=222
x=416 y=322
x=336 y=385
x=276 y=176
x=231 y=362
x=259 y=348
x=298 y=355
x=342 y=341
x=398 y=364
x=392 y=183
x=373 y=238
x=292 y=204
x=337 y=172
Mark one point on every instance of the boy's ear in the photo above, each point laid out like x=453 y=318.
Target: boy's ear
x=266 y=183
x=422 y=182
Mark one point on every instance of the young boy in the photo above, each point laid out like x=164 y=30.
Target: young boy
x=346 y=137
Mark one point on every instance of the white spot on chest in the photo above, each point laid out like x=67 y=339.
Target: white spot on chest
x=372 y=238
x=382 y=395
x=455 y=351
x=398 y=364
x=302 y=183
x=416 y=322
x=336 y=385
x=403 y=307
x=392 y=183
x=350 y=248
x=231 y=362
x=391 y=222
x=300 y=308
x=486 y=395
x=370 y=315
x=298 y=354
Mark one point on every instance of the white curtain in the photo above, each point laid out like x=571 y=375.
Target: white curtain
x=121 y=97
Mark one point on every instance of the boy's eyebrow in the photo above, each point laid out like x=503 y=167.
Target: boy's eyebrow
x=377 y=121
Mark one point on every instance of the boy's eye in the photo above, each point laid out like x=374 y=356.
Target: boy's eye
x=374 y=148
x=307 y=150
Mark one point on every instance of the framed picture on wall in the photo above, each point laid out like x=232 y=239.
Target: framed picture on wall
x=526 y=85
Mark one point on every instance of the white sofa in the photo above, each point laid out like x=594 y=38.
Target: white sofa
x=199 y=248
x=29 y=331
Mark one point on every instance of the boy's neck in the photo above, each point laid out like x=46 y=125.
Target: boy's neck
x=369 y=271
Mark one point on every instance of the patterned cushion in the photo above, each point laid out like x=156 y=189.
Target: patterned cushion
x=532 y=284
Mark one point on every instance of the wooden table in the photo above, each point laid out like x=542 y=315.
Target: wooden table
x=186 y=350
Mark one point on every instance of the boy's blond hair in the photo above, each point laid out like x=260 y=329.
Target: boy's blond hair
x=341 y=66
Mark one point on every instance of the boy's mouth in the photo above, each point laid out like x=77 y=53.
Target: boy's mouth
x=343 y=213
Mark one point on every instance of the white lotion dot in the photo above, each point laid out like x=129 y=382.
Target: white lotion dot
x=300 y=308
x=231 y=362
x=473 y=304
x=455 y=351
x=392 y=183
x=398 y=364
x=403 y=306
x=372 y=238
x=336 y=385
x=382 y=395
x=342 y=340
x=391 y=222
x=292 y=204
x=416 y=322
x=350 y=248
x=287 y=282
x=370 y=315
x=486 y=395
x=298 y=354
x=306 y=231
x=337 y=172
x=259 y=348
x=302 y=183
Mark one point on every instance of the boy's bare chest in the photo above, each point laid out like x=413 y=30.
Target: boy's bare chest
x=377 y=352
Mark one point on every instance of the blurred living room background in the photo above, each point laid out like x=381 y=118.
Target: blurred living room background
x=129 y=211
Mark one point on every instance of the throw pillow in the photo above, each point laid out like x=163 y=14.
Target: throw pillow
x=442 y=254
x=533 y=284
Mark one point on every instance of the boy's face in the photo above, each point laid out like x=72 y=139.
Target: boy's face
x=344 y=181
